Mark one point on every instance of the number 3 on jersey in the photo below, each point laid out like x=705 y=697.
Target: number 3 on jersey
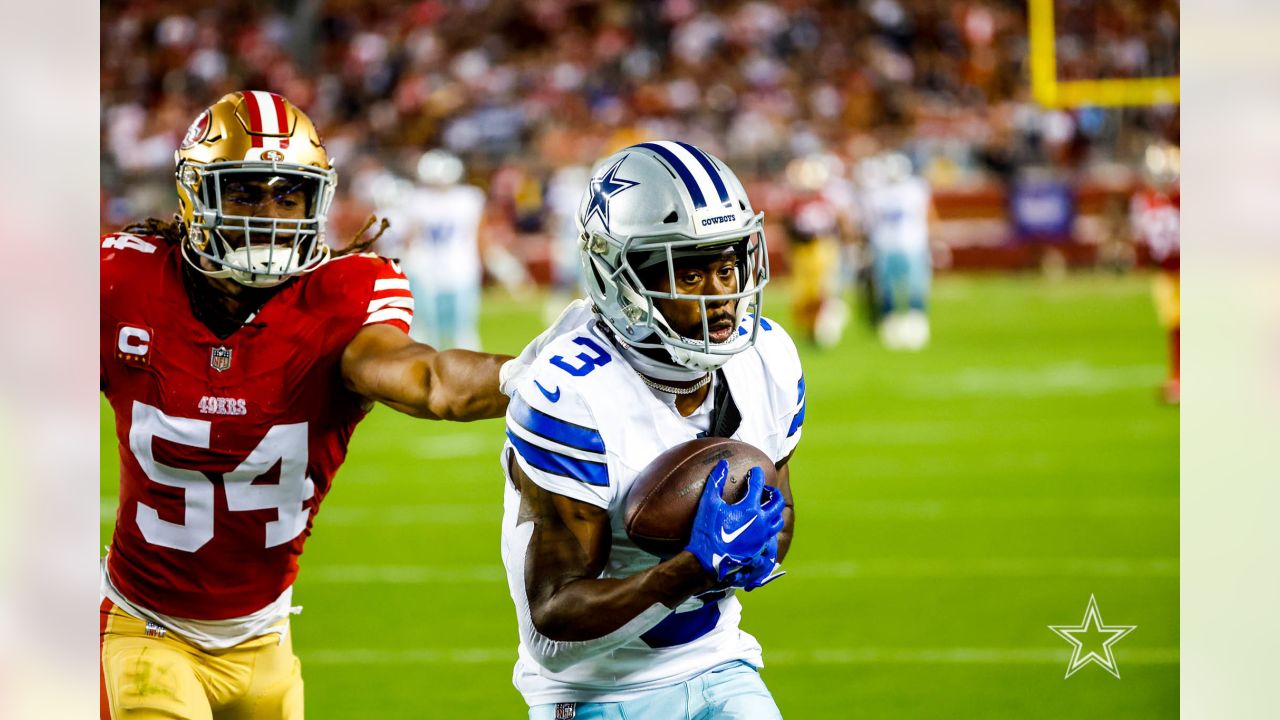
x=286 y=444
x=590 y=362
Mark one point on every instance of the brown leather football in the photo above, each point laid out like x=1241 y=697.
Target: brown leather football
x=663 y=500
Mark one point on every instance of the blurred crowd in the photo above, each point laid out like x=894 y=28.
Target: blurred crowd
x=522 y=91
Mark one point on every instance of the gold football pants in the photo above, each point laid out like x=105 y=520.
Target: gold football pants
x=147 y=673
x=815 y=269
x=1166 y=289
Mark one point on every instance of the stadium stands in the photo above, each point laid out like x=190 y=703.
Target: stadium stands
x=520 y=89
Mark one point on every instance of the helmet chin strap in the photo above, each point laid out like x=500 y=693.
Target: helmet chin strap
x=655 y=368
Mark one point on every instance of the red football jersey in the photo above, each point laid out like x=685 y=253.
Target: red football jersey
x=1156 y=222
x=227 y=446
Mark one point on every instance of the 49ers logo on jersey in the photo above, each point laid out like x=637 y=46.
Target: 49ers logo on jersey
x=222 y=406
x=133 y=343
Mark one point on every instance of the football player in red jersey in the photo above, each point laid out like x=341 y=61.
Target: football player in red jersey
x=238 y=354
x=1155 y=216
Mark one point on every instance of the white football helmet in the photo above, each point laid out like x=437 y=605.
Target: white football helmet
x=440 y=167
x=657 y=202
x=897 y=167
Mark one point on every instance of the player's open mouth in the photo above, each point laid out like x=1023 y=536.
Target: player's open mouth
x=721 y=331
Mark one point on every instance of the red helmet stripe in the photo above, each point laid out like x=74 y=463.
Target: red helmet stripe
x=255 y=117
x=282 y=119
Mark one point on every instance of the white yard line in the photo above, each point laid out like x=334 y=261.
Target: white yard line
x=403 y=574
x=485 y=513
x=458 y=446
x=1072 y=378
x=1067 y=507
x=814 y=656
x=433 y=446
x=427 y=514
x=941 y=568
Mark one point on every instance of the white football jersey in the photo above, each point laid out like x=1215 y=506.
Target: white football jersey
x=897 y=216
x=583 y=425
x=442 y=249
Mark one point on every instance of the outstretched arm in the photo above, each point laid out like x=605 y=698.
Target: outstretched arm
x=382 y=363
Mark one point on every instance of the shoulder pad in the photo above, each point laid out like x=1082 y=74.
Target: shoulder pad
x=125 y=245
x=124 y=257
x=775 y=347
x=556 y=438
x=782 y=366
x=367 y=285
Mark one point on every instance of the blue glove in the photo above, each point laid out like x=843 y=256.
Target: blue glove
x=762 y=570
x=726 y=537
x=764 y=567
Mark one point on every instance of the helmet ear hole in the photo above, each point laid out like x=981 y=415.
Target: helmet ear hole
x=672 y=217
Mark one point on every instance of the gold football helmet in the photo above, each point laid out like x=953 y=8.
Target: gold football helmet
x=254 y=152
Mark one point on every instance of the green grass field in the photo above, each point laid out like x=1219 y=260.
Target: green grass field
x=951 y=505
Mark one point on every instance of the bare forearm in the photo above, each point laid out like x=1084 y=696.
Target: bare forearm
x=465 y=385
x=787 y=532
x=384 y=365
x=788 y=511
x=586 y=609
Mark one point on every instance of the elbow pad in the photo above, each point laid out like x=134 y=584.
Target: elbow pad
x=559 y=655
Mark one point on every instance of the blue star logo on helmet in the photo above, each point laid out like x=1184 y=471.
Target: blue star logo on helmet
x=603 y=188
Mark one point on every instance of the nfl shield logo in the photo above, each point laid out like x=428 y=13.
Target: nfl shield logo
x=220 y=358
x=566 y=711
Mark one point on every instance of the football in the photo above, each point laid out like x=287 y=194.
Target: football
x=663 y=500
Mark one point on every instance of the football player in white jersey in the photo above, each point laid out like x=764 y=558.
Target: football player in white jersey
x=442 y=255
x=675 y=262
x=897 y=210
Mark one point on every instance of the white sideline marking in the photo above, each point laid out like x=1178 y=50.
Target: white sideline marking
x=989 y=568
x=955 y=655
x=1166 y=567
x=840 y=433
x=484 y=513
x=456 y=446
x=435 y=446
x=1104 y=507
x=404 y=574
x=430 y=514
x=815 y=656
x=1075 y=378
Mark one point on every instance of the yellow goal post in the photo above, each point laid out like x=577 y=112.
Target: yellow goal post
x=1050 y=92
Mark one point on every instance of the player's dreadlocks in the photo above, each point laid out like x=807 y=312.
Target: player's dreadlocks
x=174 y=231
x=221 y=314
x=171 y=232
x=358 y=243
